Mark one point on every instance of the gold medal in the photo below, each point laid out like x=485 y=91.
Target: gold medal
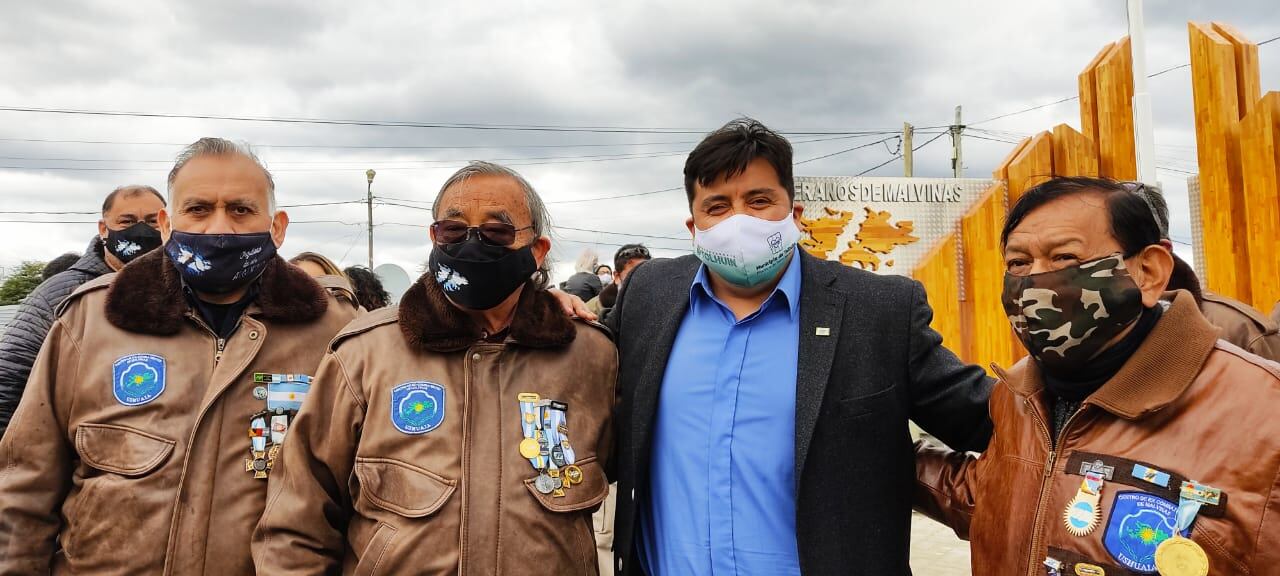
x=1082 y=514
x=1089 y=570
x=529 y=448
x=573 y=474
x=528 y=397
x=1180 y=556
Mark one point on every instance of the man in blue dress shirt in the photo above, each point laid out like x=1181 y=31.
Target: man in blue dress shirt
x=765 y=394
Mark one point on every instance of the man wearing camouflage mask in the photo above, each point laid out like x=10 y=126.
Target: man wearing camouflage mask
x=1117 y=446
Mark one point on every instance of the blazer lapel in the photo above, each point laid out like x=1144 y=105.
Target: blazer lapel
x=821 y=316
x=669 y=299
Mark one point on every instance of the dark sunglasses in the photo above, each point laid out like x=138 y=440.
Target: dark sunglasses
x=491 y=233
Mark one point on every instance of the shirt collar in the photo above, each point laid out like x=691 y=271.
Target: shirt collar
x=788 y=286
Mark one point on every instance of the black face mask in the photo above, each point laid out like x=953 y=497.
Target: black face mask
x=220 y=263
x=478 y=276
x=131 y=242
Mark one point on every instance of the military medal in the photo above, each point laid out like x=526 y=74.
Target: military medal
x=544 y=484
x=1179 y=555
x=1151 y=475
x=1053 y=567
x=573 y=474
x=283 y=394
x=1089 y=570
x=260 y=393
x=1083 y=513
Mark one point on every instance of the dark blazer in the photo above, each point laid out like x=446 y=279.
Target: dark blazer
x=879 y=366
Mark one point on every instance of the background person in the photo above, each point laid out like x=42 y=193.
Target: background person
x=126 y=231
x=368 y=287
x=316 y=265
x=1126 y=394
x=58 y=265
x=584 y=284
x=624 y=261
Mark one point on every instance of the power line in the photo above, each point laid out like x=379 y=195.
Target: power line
x=891 y=159
x=400 y=124
x=859 y=147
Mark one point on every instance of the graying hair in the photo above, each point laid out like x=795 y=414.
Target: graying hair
x=540 y=217
x=209 y=146
x=588 y=261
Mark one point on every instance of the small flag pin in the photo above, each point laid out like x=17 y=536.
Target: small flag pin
x=823 y=331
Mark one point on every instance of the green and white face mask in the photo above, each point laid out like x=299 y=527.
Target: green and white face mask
x=745 y=250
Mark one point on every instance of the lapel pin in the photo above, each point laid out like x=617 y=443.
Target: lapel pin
x=823 y=331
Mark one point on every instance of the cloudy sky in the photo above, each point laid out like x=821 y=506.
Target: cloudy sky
x=571 y=73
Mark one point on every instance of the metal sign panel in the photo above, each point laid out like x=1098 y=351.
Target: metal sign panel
x=883 y=225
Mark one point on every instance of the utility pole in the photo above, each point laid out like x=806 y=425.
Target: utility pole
x=1143 y=126
x=907 y=161
x=957 y=148
x=369 y=174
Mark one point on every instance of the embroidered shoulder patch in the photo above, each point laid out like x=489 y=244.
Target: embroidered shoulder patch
x=417 y=407
x=1139 y=522
x=137 y=378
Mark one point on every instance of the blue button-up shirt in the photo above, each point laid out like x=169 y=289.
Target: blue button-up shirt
x=722 y=474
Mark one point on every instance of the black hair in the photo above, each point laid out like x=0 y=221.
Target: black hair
x=1133 y=221
x=727 y=152
x=1183 y=276
x=627 y=253
x=129 y=192
x=369 y=291
x=59 y=264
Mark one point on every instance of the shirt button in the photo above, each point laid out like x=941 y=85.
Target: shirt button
x=253 y=334
x=475 y=356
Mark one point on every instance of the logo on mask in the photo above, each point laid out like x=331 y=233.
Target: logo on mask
x=127 y=248
x=195 y=263
x=137 y=378
x=450 y=279
x=775 y=242
x=417 y=407
x=1139 y=523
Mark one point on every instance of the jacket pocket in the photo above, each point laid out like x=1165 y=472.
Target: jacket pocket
x=593 y=489
x=857 y=407
x=371 y=558
x=401 y=488
x=125 y=455
x=120 y=449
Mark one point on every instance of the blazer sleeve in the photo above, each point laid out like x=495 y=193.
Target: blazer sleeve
x=302 y=530
x=948 y=397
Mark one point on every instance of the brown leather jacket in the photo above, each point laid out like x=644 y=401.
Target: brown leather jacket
x=1242 y=325
x=98 y=479
x=363 y=491
x=1185 y=404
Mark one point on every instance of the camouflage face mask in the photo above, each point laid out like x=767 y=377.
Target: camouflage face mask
x=1065 y=317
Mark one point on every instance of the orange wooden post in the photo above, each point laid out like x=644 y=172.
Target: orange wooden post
x=1074 y=154
x=939 y=273
x=1088 y=81
x=987 y=331
x=1260 y=159
x=1032 y=165
x=1116 y=149
x=1216 y=91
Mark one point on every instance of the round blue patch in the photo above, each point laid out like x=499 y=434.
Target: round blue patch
x=1139 y=522
x=137 y=378
x=417 y=407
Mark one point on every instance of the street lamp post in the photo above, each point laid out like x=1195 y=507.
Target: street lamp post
x=369 y=174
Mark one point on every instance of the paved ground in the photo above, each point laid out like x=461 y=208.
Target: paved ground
x=935 y=550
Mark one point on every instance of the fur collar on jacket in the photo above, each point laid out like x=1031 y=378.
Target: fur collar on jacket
x=147 y=296
x=430 y=322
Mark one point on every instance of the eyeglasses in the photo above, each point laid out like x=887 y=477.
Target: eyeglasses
x=491 y=233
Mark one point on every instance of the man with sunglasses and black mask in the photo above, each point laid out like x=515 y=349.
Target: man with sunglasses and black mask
x=464 y=432
x=156 y=408
x=1131 y=440
x=127 y=230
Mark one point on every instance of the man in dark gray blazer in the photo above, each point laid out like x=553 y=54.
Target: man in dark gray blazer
x=764 y=394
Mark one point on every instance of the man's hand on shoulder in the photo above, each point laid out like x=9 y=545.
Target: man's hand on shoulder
x=572 y=306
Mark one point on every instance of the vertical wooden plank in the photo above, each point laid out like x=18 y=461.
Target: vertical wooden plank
x=938 y=271
x=1217 y=108
x=1248 y=79
x=988 y=336
x=1088 y=82
x=1117 y=154
x=1033 y=165
x=1260 y=159
x=1073 y=153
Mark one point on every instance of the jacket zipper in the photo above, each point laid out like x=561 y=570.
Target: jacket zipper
x=1045 y=482
x=467 y=367
x=217 y=354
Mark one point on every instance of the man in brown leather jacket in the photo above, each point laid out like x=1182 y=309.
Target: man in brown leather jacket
x=130 y=452
x=464 y=432
x=1131 y=441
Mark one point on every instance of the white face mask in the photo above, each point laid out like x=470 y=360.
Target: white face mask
x=606 y=279
x=745 y=250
